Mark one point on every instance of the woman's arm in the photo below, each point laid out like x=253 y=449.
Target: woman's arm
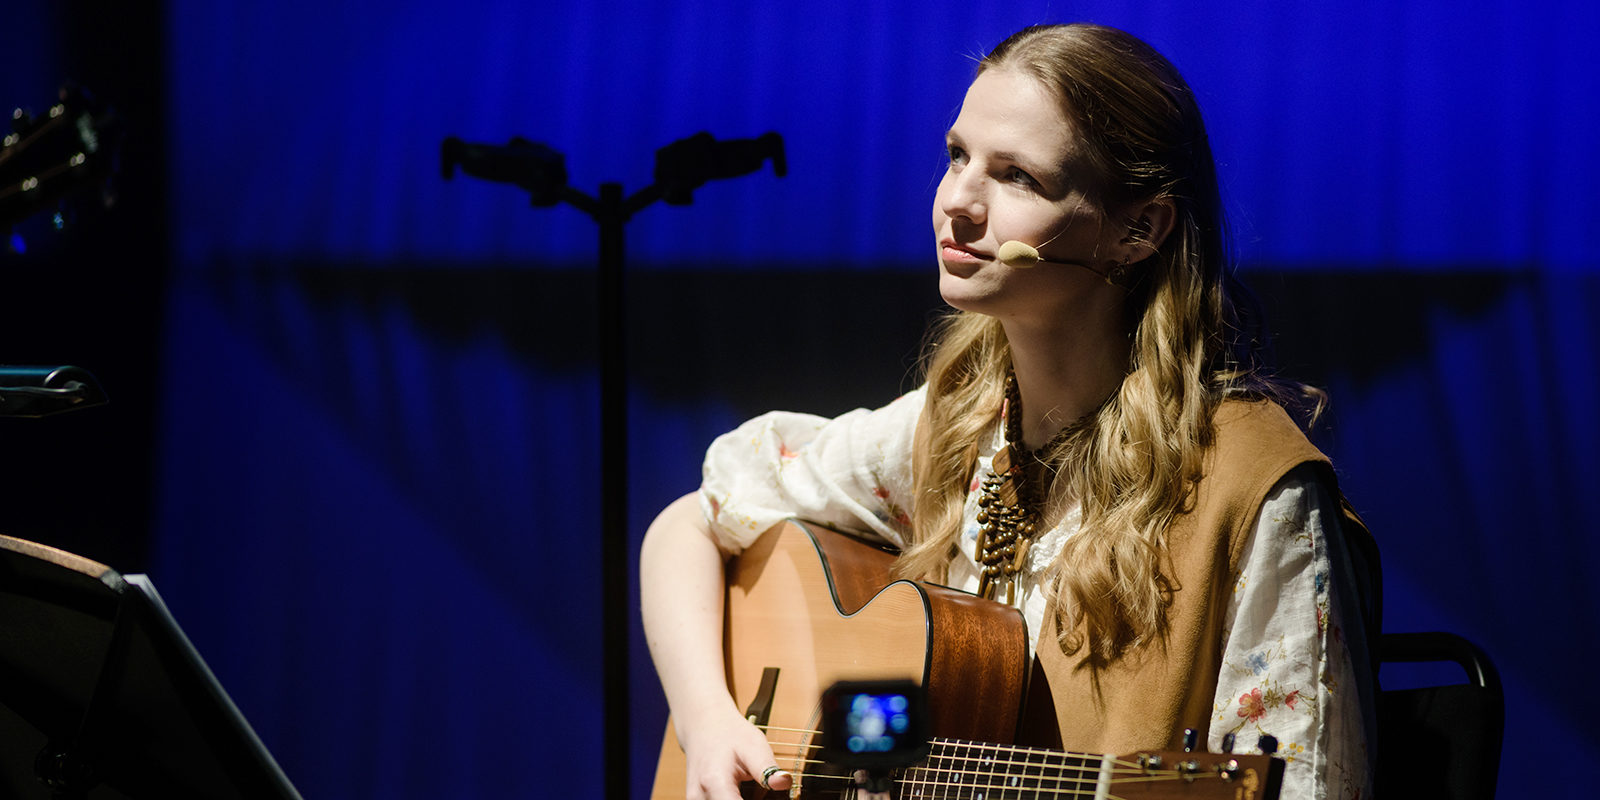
x=681 y=590
x=850 y=471
x=1287 y=666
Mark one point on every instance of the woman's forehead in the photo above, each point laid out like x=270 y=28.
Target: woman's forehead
x=1009 y=112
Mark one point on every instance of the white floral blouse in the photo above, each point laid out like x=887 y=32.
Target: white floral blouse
x=1286 y=670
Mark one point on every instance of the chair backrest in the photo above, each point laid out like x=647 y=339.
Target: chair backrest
x=1440 y=741
x=1435 y=741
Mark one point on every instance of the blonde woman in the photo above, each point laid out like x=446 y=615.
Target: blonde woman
x=1094 y=400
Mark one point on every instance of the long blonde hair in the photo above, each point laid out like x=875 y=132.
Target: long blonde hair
x=1132 y=465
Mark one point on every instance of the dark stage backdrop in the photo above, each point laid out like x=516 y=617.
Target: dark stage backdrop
x=365 y=476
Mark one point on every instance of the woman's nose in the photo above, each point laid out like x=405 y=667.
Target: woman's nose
x=962 y=196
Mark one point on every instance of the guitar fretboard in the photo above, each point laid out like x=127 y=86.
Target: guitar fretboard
x=959 y=770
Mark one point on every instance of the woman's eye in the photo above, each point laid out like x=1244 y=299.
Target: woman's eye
x=956 y=154
x=1018 y=176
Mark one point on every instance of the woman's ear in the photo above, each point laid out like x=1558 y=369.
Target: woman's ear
x=1148 y=227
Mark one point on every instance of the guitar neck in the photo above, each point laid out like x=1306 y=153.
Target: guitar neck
x=44 y=161
x=962 y=770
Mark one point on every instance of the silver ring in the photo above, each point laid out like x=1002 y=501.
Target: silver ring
x=767 y=773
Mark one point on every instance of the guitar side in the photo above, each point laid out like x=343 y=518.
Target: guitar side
x=792 y=604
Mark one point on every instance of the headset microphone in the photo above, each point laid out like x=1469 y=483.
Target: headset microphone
x=1021 y=255
x=1017 y=254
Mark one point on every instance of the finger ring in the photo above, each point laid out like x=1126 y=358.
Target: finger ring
x=767 y=773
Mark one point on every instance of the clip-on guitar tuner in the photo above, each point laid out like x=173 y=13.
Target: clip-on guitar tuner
x=873 y=728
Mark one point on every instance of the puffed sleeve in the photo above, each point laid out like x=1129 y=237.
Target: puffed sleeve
x=851 y=472
x=1287 y=666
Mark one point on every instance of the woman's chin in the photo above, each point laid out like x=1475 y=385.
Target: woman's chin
x=961 y=295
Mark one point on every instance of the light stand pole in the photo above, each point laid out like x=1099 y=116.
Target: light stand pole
x=681 y=167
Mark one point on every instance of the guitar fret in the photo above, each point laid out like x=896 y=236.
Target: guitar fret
x=1031 y=777
x=1056 y=775
x=1004 y=785
x=992 y=777
x=991 y=771
x=961 y=770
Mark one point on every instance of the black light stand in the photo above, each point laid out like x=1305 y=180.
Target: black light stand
x=681 y=167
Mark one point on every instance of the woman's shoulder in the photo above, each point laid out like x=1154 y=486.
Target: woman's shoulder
x=1256 y=436
x=1241 y=420
x=1256 y=414
x=1255 y=447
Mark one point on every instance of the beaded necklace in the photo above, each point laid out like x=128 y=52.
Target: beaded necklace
x=1008 y=507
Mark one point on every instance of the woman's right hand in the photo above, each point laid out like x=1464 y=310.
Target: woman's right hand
x=682 y=585
x=722 y=752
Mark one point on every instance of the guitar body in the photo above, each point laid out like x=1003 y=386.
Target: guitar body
x=819 y=606
x=807 y=607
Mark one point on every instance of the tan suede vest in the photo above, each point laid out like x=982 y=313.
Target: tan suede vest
x=1146 y=698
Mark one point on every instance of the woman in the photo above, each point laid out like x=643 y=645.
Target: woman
x=1095 y=442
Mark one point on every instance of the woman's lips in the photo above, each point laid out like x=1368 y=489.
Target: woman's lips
x=950 y=251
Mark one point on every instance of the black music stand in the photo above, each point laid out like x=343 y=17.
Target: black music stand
x=104 y=697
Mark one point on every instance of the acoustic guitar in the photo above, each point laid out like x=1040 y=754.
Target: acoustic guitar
x=44 y=160
x=807 y=607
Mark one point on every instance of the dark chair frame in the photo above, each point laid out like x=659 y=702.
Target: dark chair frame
x=1440 y=741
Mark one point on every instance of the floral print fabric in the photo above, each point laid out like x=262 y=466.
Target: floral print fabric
x=1286 y=668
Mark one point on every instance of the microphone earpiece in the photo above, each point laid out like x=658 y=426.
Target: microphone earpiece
x=1017 y=254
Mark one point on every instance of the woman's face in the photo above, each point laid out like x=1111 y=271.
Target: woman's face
x=1016 y=172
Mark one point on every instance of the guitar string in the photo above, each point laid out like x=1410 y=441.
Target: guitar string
x=950 y=769
x=913 y=783
x=1084 y=773
x=1124 y=776
x=43 y=176
x=943 y=777
x=951 y=775
x=987 y=768
x=916 y=779
x=1062 y=762
x=913 y=786
x=983 y=747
